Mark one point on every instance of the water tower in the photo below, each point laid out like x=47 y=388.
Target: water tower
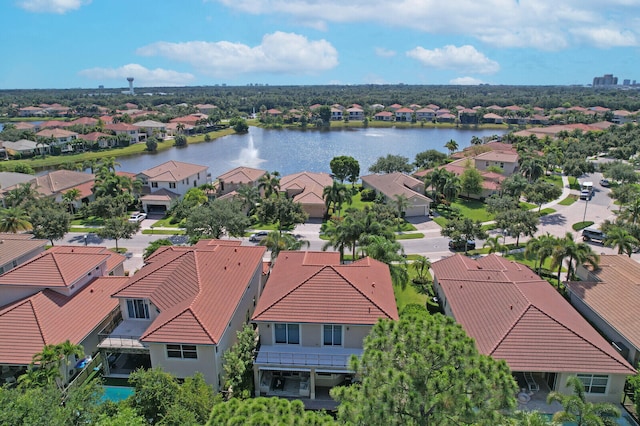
x=130 y=80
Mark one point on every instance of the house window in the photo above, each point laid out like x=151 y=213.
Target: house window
x=486 y=163
x=287 y=333
x=502 y=165
x=594 y=383
x=137 y=308
x=154 y=184
x=332 y=335
x=182 y=351
x=172 y=185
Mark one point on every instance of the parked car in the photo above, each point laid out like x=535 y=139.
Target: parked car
x=460 y=244
x=595 y=234
x=258 y=236
x=605 y=183
x=137 y=217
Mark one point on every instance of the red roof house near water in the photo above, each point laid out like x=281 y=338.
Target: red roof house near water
x=516 y=316
x=182 y=310
x=313 y=315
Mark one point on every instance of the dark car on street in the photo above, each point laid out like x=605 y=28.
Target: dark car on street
x=460 y=245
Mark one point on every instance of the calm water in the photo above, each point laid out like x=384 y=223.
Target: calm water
x=116 y=393
x=292 y=151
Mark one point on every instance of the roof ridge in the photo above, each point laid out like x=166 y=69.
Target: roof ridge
x=510 y=328
x=579 y=335
x=35 y=314
x=357 y=289
x=138 y=277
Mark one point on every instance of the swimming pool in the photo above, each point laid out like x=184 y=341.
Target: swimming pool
x=116 y=393
x=622 y=421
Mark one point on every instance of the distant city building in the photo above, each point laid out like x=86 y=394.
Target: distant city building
x=606 y=80
x=626 y=82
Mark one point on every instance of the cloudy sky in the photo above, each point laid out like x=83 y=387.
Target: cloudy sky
x=86 y=43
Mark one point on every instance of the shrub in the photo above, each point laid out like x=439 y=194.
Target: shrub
x=367 y=194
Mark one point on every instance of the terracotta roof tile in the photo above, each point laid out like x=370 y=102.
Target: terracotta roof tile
x=173 y=171
x=241 y=175
x=49 y=317
x=310 y=287
x=197 y=289
x=515 y=315
x=613 y=292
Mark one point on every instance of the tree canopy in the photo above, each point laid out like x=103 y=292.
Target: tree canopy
x=391 y=163
x=345 y=167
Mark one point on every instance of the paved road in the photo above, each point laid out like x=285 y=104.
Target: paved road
x=433 y=245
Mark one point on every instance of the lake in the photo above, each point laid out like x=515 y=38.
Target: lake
x=292 y=151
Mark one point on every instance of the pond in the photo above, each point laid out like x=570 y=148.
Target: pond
x=292 y=151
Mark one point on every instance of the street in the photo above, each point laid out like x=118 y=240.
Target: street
x=433 y=245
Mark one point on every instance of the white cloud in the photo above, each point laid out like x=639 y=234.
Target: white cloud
x=606 y=37
x=279 y=52
x=542 y=24
x=52 y=6
x=463 y=59
x=385 y=53
x=465 y=81
x=143 y=76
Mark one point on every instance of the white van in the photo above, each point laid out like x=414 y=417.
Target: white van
x=586 y=190
x=594 y=234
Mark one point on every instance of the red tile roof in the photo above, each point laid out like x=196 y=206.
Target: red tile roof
x=55 y=268
x=48 y=317
x=197 y=289
x=173 y=171
x=114 y=260
x=613 y=292
x=245 y=175
x=313 y=287
x=515 y=315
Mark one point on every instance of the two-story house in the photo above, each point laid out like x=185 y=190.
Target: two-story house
x=60 y=138
x=307 y=189
x=182 y=310
x=312 y=316
x=129 y=130
x=168 y=181
x=62 y=294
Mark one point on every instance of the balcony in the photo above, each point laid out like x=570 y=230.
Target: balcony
x=332 y=358
x=125 y=337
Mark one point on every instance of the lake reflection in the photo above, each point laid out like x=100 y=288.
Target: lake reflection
x=291 y=151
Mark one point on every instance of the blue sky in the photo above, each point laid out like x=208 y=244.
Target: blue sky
x=86 y=43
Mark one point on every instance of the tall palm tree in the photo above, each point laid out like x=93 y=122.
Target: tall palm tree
x=630 y=212
x=452 y=146
x=578 y=410
x=540 y=248
x=391 y=253
x=532 y=168
x=401 y=203
x=577 y=253
x=622 y=239
x=451 y=188
x=70 y=197
x=249 y=196
x=109 y=163
x=277 y=242
x=337 y=239
x=22 y=194
x=269 y=183
x=421 y=265
x=14 y=220
x=68 y=354
x=436 y=179
x=335 y=195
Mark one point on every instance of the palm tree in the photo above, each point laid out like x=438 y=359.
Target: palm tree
x=337 y=239
x=578 y=410
x=68 y=354
x=622 y=239
x=532 y=168
x=391 y=253
x=451 y=188
x=249 y=196
x=14 y=220
x=436 y=180
x=578 y=253
x=541 y=248
x=70 y=197
x=22 y=194
x=109 y=163
x=269 y=183
x=277 y=242
x=335 y=195
x=493 y=243
x=452 y=146
x=630 y=212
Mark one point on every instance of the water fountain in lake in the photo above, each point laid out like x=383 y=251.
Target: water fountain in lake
x=249 y=156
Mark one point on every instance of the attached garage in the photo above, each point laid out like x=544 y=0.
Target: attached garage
x=159 y=201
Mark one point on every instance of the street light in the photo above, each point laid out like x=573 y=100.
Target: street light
x=584 y=217
x=85 y=239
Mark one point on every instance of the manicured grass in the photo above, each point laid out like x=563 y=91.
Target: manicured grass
x=440 y=220
x=412 y=236
x=264 y=227
x=473 y=209
x=578 y=226
x=89 y=221
x=165 y=223
x=409 y=294
x=519 y=257
x=135 y=149
x=81 y=230
x=527 y=206
x=546 y=211
x=554 y=179
x=489 y=227
x=573 y=183
x=569 y=200
x=163 y=232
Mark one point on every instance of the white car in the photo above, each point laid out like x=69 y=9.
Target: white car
x=137 y=217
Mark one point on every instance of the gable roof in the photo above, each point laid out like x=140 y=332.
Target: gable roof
x=60 y=266
x=55 y=133
x=59 y=180
x=173 y=171
x=14 y=248
x=242 y=175
x=197 y=289
x=311 y=184
x=48 y=317
x=313 y=287
x=613 y=292
x=515 y=315
x=392 y=184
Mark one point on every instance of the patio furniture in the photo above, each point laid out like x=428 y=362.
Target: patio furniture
x=531 y=383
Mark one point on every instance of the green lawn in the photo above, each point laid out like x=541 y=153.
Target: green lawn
x=89 y=221
x=569 y=200
x=165 y=223
x=546 y=211
x=554 y=179
x=519 y=257
x=412 y=236
x=527 y=206
x=578 y=226
x=573 y=183
x=410 y=293
x=473 y=209
x=163 y=232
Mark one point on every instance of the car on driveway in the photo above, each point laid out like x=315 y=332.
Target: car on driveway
x=258 y=236
x=137 y=217
x=460 y=245
x=605 y=183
